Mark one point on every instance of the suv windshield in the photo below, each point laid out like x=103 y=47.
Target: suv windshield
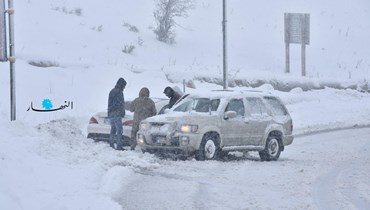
x=198 y=105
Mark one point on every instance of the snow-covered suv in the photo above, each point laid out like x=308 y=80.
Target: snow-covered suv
x=211 y=124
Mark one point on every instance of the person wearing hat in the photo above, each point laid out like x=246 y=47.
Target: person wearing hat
x=172 y=95
x=143 y=107
x=116 y=111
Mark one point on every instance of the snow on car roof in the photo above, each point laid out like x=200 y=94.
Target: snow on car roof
x=229 y=93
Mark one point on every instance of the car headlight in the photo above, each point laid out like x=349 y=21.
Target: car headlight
x=144 y=126
x=189 y=128
x=140 y=139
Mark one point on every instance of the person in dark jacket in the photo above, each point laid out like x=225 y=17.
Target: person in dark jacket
x=143 y=107
x=172 y=95
x=116 y=111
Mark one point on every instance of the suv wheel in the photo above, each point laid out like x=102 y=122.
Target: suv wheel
x=208 y=149
x=272 y=149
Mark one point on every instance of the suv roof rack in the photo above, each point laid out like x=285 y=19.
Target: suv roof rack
x=222 y=90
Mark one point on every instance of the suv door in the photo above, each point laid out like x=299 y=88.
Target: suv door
x=234 y=130
x=257 y=118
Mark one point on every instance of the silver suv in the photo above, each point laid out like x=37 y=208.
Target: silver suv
x=212 y=124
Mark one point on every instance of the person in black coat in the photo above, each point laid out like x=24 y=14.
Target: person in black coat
x=172 y=95
x=116 y=111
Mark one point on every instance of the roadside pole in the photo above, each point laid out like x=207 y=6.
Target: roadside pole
x=287 y=39
x=303 y=44
x=12 y=60
x=3 y=40
x=224 y=30
x=303 y=59
x=287 y=59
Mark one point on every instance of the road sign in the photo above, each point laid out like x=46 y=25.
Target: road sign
x=297 y=28
x=297 y=31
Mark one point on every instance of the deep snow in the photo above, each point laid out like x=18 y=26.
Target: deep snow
x=47 y=163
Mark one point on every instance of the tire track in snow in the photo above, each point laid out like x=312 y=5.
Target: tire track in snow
x=337 y=189
x=170 y=186
x=324 y=190
x=331 y=193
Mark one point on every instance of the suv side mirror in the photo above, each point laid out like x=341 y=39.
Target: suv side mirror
x=230 y=115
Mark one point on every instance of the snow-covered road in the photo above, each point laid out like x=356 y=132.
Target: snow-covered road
x=321 y=171
x=56 y=167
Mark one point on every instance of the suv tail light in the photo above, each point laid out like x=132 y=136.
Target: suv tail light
x=128 y=123
x=93 y=121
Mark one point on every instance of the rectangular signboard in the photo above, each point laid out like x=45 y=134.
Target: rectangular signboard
x=297 y=28
x=3 y=56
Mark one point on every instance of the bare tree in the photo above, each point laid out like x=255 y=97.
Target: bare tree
x=165 y=14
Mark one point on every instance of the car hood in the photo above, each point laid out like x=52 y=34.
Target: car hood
x=184 y=117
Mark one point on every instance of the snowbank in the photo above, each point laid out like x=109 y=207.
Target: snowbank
x=52 y=165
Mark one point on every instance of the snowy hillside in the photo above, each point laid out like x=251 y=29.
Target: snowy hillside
x=72 y=51
x=81 y=43
x=77 y=34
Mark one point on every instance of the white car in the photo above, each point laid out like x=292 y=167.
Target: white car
x=99 y=125
x=209 y=125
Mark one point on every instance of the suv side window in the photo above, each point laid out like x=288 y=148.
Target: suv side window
x=256 y=106
x=276 y=107
x=204 y=104
x=236 y=105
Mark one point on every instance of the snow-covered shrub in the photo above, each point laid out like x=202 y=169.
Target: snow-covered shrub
x=97 y=28
x=76 y=11
x=131 y=27
x=165 y=14
x=140 y=41
x=190 y=84
x=43 y=64
x=128 y=49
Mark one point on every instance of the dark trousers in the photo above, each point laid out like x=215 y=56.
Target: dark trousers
x=116 y=132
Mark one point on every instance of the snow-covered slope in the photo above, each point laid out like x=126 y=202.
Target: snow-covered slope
x=79 y=46
x=80 y=34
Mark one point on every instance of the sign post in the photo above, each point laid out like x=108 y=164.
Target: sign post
x=12 y=60
x=3 y=53
x=297 y=31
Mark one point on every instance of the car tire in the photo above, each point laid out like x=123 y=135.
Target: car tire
x=222 y=155
x=208 y=149
x=272 y=148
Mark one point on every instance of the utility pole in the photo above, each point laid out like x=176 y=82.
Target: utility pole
x=12 y=60
x=3 y=41
x=224 y=30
